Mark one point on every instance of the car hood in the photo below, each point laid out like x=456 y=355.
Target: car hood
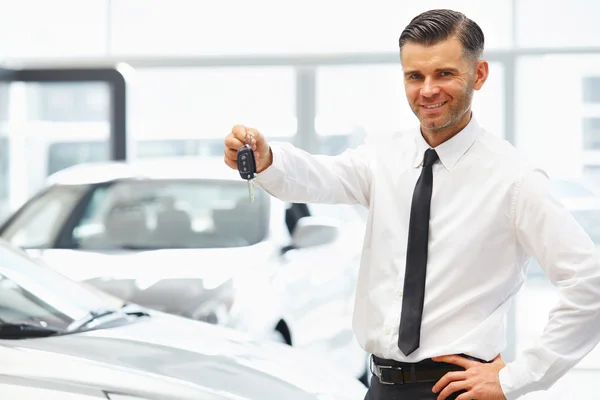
x=172 y=280
x=212 y=264
x=164 y=355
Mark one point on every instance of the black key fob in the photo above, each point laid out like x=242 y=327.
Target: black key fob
x=246 y=162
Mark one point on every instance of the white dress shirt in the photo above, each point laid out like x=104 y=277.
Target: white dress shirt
x=490 y=211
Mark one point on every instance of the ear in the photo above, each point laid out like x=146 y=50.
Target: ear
x=482 y=70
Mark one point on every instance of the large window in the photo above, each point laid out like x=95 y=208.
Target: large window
x=4 y=163
x=556 y=128
x=66 y=154
x=591 y=89
x=355 y=101
x=564 y=24
x=556 y=124
x=95 y=28
x=56 y=29
x=50 y=126
x=4 y=148
x=67 y=102
x=195 y=108
x=276 y=27
x=591 y=133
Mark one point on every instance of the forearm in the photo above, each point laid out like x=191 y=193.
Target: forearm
x=572 y=331
x=297 y=176
x=569 y=258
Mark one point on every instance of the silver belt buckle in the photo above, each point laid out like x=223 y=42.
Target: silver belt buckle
x=378 y=371
x=379 y=375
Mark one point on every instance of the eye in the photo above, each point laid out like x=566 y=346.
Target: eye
x=446 y=73
x=415 y=76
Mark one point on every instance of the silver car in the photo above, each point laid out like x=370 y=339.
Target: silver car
x=181 y=236
x=60 y=339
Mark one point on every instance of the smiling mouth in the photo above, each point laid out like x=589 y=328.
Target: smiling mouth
x=433 y=106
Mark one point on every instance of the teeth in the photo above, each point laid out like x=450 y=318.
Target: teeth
x=435 y=105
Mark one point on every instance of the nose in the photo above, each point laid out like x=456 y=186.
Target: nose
x=429 y=88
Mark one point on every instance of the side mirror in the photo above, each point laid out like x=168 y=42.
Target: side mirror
x=313 y=231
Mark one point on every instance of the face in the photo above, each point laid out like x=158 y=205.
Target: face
x=439 y=82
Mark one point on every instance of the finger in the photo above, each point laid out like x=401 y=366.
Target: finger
x=452 y=388
x=259 y=141
x=448 y=378
x=456 y=360
x=231 y=154
x=232 y=142
x=466 y=396
x=239 y=132
x=229 y=163
x=257 y=138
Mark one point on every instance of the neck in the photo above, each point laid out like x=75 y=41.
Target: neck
x=438 y=136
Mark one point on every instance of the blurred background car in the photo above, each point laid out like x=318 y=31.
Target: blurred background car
x=58 y=339
x=181 y=236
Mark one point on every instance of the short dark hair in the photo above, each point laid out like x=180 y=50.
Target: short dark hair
x=434 y=26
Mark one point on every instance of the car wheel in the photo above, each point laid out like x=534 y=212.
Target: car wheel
x=282 y=333
x=278 y=337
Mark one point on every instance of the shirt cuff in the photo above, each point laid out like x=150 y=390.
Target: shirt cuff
x=273 y=172
x=513 y=377
x=526 y=373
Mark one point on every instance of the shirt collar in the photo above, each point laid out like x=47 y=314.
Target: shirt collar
x=452 y=149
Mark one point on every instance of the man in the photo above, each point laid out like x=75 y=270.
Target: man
x=454 y=216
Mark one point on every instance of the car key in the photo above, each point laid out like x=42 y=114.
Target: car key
x=247 y=166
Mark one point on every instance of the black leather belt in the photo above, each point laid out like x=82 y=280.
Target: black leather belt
x=391 y=372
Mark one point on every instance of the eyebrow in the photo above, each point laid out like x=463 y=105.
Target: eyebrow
x=449 y=69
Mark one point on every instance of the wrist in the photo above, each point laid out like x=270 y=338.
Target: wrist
x=267 y=161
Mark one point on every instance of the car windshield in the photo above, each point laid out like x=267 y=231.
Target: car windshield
x=33 y=293
x=163 y=214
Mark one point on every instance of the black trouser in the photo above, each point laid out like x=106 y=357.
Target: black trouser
x=409 y=391
x=412 y=390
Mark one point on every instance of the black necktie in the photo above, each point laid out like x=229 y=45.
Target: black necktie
x=416 y=258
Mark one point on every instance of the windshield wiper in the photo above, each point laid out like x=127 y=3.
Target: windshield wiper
x=133 y=309
x=125 y=311
x=91 y=317
x=10 y=330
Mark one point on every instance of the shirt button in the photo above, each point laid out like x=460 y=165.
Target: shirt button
x=400 y=293
x=387 y=330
